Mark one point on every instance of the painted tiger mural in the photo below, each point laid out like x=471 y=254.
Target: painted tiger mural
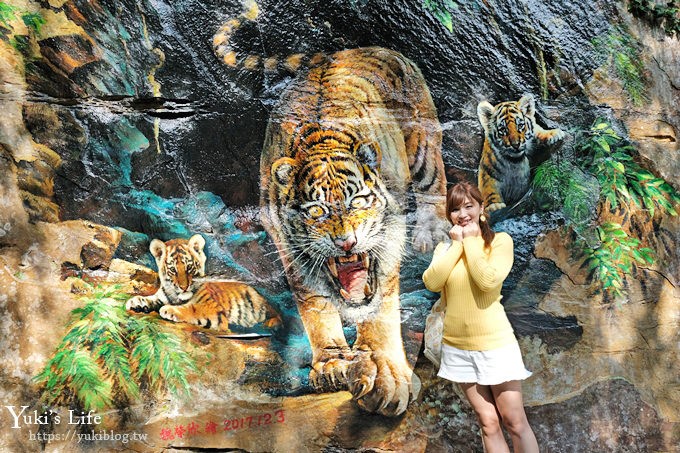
x=353 y=139
x=511 y=139
x=183 y=297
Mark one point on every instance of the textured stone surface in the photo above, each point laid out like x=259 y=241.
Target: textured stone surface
x=606 y=416
x=119 y=126
x=133 y=278
x=633 y=342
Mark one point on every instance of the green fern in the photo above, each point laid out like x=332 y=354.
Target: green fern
x=89 y=382
x=158 y=357
x=621 y=50
x=606 y=173
x=559 y=184
x=614 y=257
x=34 y=21
x=8 y=13
x=623 y=181
x=106 y=354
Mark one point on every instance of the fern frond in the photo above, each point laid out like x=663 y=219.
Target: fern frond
x=106 y=353
x=89 y=382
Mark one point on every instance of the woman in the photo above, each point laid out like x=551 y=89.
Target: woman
x=479 y=348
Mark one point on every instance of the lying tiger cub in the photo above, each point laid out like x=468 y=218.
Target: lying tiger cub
x=209 y=304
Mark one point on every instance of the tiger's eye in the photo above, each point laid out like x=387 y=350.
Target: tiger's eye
x=315 y=212
x=359 y=202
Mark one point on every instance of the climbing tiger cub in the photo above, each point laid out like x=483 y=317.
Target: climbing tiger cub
x=511 y=139
x=210 y=304
x=353 y=141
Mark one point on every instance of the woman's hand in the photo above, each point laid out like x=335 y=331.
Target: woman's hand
x=456 y=233
x=471 y=229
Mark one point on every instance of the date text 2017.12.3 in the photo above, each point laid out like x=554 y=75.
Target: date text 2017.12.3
x=254 y=420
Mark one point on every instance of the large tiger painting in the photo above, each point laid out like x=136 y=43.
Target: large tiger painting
x=353 y=139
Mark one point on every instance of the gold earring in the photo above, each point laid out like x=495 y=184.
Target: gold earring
x=482 y=218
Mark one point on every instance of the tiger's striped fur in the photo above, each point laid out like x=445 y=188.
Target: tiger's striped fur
x=353 y=139
x=511 y=139
x=349 y=140
x=184 y=297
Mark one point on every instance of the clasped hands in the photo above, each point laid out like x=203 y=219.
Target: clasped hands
x=457 y=232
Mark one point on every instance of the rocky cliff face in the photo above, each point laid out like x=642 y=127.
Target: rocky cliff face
x=119 y=125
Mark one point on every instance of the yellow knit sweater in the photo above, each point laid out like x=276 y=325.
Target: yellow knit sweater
x=472 y=279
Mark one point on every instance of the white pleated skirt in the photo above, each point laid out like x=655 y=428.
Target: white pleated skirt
x=483 y=367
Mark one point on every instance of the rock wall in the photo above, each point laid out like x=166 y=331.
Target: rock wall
x=120 y=125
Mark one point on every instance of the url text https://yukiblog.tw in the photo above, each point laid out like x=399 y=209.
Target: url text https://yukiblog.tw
x=79 y=423
x=92 y=436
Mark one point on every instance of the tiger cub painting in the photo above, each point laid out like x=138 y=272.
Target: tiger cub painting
x=511 y=139
x=353 y=139
x=210 y=304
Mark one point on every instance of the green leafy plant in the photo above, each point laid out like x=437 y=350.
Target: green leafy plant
x=559 y=184
x=622 y=179
x=442 y=10
x=665 y=15
x=33 y=21
x=624 y=184
x=623 y=52
x=108 y=358
x=8 y=13
x=605 y=161
x=614 y=257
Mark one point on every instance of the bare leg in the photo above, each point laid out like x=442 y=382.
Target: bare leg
x=508 y=397
x=482 y=402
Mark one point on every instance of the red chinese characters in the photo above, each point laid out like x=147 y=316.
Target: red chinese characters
x=228 y=424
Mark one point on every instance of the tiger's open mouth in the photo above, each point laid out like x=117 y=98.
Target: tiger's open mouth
x=354 y=277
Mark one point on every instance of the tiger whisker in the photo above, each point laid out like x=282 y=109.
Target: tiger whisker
x=297 y=258
x=268 y=254
x=318 y=265
x=285 y=253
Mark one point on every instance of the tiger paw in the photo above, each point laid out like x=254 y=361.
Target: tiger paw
x=140 y=304
x=430 y=228
x=380 y=384
x=557 y=136
x=329 y=373
x=170 y=313
x=494 y=207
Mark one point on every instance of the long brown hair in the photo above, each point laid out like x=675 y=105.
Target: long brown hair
x=455 y=197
